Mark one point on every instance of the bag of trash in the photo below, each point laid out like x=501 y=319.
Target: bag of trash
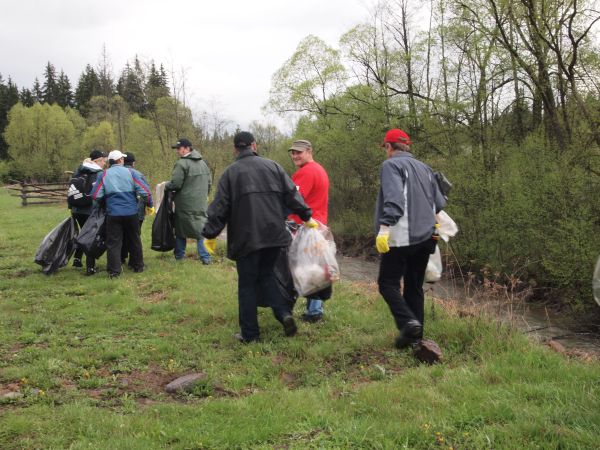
x=447 y=228
x=92 y=237
x=312 y=260
x=285 y=283
x=163 y=234
x=57 y=247
x=433 y=272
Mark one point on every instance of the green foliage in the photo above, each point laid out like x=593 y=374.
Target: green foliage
x=92 y=356
x=41 y=140
x=99 y=137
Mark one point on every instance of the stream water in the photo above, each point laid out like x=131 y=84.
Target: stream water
x=537 y=321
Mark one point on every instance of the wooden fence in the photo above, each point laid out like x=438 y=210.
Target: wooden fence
x=32 y=193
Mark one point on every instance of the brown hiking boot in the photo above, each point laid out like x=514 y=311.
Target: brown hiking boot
x=427 y=351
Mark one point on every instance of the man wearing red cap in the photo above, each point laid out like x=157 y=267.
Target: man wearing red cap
x=408 y=200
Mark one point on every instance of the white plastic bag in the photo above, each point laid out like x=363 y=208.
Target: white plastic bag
x=433 y=272
x=312 y=260
x=448 y=227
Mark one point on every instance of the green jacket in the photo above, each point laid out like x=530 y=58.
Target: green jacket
x=191 y=181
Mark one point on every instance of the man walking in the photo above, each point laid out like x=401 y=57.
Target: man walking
x=191 y=181
x=119 y=188
x=313 y=183
x=89 y=169
x=251 y=198
x=408 y=200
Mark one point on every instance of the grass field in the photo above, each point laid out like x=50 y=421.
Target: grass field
x=92 y=356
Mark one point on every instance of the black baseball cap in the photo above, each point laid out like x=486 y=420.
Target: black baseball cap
x=183 y=142
x=130 y=158
x=243 y=139
x=95 y=154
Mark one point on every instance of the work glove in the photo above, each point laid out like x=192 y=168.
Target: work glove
x=211 y=245
x=311 y=223
x=150 y=210
x=381 y=242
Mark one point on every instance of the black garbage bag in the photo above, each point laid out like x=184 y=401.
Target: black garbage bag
x=285 y=282
x=163 y=234
x=57 y=247
x=92 y=237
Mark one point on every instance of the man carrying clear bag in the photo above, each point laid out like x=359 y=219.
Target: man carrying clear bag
x=408 y=199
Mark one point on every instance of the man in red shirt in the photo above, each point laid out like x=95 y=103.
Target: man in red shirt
x=313 y=183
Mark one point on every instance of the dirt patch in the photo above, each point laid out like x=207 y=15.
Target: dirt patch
x=154 y=380
x=154 y=296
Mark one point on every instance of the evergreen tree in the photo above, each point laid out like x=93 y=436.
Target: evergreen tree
x=105 y=75
x=50 y=88
x=87 y=87
x=38 y=95
x=9 y=95
x=26 y=97
x=64 y=91
x=131 y=88
x=156 y=86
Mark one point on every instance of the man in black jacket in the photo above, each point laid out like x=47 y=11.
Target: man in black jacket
x=253 y=196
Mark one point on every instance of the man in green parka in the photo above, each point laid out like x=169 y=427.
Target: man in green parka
x=190 y=181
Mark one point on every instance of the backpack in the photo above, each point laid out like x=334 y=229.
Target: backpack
x=79 y=188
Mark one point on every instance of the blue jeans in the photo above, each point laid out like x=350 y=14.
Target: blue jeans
x=314 y=307
x=180 y=244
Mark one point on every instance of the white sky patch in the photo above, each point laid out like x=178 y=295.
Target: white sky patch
x=228 y=48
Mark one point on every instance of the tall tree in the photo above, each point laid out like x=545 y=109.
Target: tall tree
x=87 y=87
x=9 y=96
x=64 y=91
x=50 y=92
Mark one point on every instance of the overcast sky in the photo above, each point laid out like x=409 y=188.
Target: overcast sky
x=228 y=48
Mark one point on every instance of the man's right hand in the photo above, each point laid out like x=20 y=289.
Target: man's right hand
x=381 y=242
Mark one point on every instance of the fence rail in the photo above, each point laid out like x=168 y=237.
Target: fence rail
x=43 y=193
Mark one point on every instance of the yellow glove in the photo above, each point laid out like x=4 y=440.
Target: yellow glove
x=150 y=210
x=211 y=245
x=381 y=242
x=311 y=223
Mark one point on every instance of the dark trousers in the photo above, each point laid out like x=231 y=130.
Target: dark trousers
x=408 y=263
x=125 y=247
x=89 y=261
x=118 y=227
x=255 y=271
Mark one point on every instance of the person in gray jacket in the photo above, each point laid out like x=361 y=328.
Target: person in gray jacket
x=408 y=200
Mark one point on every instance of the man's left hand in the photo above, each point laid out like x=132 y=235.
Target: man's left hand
x=150 y=211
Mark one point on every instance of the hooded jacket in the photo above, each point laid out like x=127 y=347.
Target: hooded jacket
x=91 y=169
x=191 y=180
x=252 y=200
x=119 y=187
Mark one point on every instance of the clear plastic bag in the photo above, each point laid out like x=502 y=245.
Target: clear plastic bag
x=433 y=272
x=312 y=260
x=447 y=226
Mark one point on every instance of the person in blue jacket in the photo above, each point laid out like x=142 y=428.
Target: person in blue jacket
x=119 y=187
x=142 y=205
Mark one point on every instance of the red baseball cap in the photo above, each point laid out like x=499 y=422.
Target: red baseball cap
x=396 y=135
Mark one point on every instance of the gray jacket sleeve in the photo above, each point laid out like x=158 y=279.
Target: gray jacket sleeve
x=393 y=201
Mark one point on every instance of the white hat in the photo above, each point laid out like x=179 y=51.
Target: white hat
x=116 y=155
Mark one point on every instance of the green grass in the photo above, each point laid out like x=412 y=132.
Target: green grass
x=92 y=357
